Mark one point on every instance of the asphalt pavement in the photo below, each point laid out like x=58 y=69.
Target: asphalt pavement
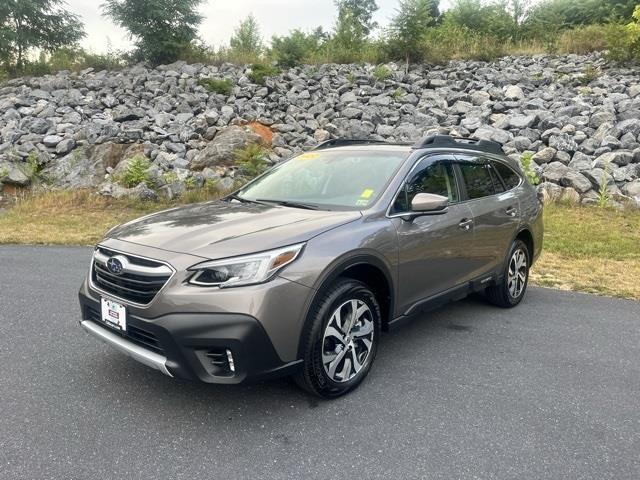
x=550 y=390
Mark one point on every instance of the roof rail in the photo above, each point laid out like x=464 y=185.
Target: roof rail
x=447 y=141
x=343 y=142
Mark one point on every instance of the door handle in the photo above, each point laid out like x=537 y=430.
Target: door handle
x=511 y=211
x=465 y=224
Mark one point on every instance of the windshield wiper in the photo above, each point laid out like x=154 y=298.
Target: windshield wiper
x=286 y=203
x=242 y=199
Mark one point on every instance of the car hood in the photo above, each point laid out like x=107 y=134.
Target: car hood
x=224 y=229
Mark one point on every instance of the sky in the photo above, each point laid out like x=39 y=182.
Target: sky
x=276 y=17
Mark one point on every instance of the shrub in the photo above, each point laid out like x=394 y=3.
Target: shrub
x=623 y=41
x=251 y=159
x=582 y=40
x=589 y=74
x=382 y=73
x=296 y=47
x=532 y=176
x=221 y=86
x=137 y=172
x=260 y=72
x=449 y=41
x=34 y=170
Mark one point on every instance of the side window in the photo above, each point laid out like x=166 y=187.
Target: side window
x=477 y=179
x=437 y=178
x=510 y=178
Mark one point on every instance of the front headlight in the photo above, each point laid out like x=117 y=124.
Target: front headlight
x=246 y=270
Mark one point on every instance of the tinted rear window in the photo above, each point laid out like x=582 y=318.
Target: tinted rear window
x=477 y=180
x=510 y=178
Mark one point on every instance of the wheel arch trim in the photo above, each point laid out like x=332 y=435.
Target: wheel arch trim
x=338 y=267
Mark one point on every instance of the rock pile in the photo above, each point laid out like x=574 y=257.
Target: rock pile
x=576 y=117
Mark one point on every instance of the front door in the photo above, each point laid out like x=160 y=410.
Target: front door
x=434 y=248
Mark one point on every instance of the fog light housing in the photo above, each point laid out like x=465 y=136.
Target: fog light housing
x=232 y=365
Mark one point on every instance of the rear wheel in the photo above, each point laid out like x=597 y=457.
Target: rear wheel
x=341 y=339
x=511 y=288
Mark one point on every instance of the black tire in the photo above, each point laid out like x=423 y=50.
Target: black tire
x=314 y=378
x=500 y=294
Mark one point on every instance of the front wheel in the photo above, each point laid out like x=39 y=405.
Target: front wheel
x=341 y=340
x=510 y=290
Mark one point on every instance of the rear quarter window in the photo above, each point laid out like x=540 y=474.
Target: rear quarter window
x=510 y=178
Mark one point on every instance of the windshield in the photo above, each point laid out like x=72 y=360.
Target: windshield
x=328 y=179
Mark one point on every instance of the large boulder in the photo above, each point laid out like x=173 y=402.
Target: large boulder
x=576 y=180
x=619 y=158
x=221 y=150
x=632 y=189
x=14 y=174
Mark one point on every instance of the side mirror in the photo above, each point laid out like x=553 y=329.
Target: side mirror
x=429 y=203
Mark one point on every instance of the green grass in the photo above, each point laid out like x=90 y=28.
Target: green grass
x=591 y=249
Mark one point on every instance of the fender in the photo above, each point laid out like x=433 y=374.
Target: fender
x=337 y=268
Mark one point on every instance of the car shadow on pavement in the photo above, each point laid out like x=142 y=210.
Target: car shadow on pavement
x=407 y=344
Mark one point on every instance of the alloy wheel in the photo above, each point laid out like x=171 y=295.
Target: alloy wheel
x=347 y=341
x=517 y=275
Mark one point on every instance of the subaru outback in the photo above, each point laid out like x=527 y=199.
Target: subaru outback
x=299 y=272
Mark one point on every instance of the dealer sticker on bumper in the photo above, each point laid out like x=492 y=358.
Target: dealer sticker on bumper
x=114 y=314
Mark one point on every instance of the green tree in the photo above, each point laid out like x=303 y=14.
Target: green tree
x=246 y=42
x=162 y=29
x=409 y=26
x=296 y=47
x=35 y=24
x=355 y=23
x=491 y=19
x=571 y=13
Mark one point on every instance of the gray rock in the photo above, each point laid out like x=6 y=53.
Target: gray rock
x=632 y=189
x=221 y=150
x=124 y=113
x=563 y=143
x=554 y=172
x=629 y=126
x=513 y=92
x=598 y=178
x=522 y=121
x=580 y=162
x=13 y=174
x=65 y=146
x=51 y=141
x=619 y=158
x=576 y=180
x=600 y=118
x=380 y=100
x=348 y=97
x=480 y=97
x=551 y=192
x=544 y=156
x=351 y=112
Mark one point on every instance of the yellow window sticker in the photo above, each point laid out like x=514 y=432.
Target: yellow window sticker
x=308 y=156
x=367 y=193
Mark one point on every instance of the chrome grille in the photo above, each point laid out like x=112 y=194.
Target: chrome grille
x=139 y=281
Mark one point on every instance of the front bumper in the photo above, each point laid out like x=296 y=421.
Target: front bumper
x=194 y=346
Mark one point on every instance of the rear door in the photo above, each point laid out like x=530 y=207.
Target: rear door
x=495 y=209
x=433 y=249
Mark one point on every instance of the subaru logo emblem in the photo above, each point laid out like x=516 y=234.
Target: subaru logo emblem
x=115 y=266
